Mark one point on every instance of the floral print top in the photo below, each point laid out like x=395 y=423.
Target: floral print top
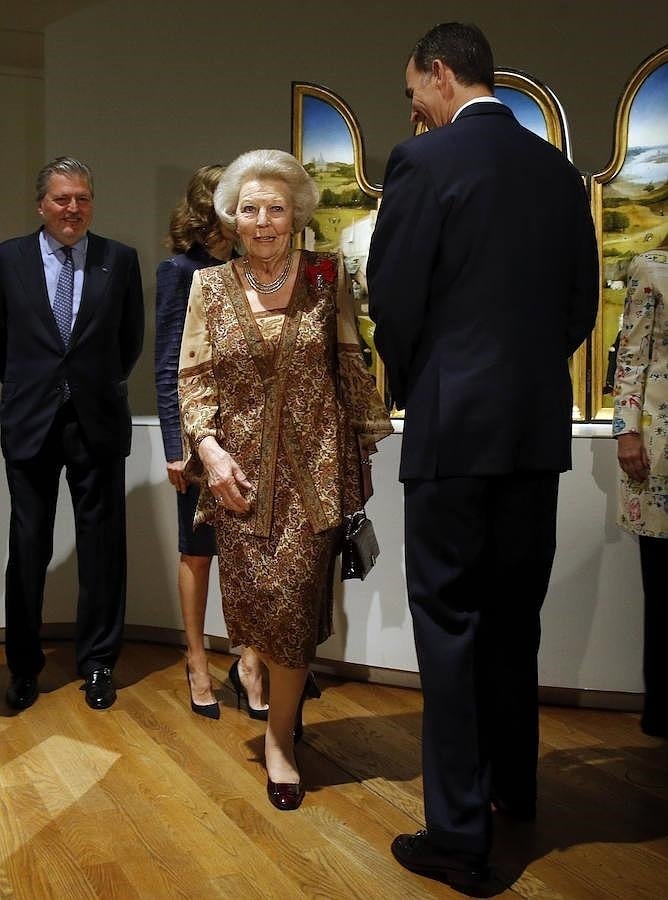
x=641 y=392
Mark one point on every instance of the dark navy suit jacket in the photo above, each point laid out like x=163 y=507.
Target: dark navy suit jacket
x=173 y=279
x=106 y=342
x=483 y=280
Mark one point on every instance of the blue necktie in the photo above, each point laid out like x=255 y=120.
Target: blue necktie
x=62 y=302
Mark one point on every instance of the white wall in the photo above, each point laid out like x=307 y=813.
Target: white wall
x=21 y=148
x=162 y=88
x=591 y=620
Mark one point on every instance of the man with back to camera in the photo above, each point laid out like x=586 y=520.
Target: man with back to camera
x=483 y=280
x=71 y=330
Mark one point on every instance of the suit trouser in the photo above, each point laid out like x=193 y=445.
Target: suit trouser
x=479 y=552
x=97 y=489
x=654 y=566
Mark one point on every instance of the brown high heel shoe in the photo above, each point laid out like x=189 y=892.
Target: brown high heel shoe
x=284 y=795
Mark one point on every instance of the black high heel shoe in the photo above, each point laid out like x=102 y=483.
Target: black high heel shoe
x=208 y=710
x=240 y=690
x=311 y=690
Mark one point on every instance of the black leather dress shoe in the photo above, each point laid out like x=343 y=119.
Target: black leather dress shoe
x=654 y=725
x=100 y=690
x=22 y=692
x=462 y=871
x=285 y=796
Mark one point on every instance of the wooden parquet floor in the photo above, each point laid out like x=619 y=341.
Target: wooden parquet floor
x=148 y=801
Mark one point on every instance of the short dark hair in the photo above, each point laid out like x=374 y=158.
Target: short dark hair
x=62 y=165
x=464 y=48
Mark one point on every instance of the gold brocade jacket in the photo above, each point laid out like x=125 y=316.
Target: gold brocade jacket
x=312 y=396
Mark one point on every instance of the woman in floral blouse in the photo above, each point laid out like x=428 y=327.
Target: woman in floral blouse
x=277 y=409
x=641 y=428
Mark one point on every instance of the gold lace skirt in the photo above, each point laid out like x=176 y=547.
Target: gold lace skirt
x=277 y=592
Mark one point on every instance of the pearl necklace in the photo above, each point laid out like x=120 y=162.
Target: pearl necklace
x=267 y=287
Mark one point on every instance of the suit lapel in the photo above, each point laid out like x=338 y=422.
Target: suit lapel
x=30 y=272
x=96 y=280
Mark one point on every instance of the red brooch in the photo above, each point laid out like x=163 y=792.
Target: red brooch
x=322 y=272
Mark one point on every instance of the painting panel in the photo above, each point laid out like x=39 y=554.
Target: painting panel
x=630 y=208
x=327 y=140
x=537 y=108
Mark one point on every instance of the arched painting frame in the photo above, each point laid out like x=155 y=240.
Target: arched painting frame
x=537 y=107
x=630 y=208
x=327 y=140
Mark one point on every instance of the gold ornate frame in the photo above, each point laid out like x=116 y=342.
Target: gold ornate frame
x=556 y=132
x=613 y=271
x=546 y=100
x=353 y=212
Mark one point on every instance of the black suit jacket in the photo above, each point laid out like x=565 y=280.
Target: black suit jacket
x=34 y=364
x=483 y=280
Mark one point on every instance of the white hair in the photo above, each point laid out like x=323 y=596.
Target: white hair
x=262 y=164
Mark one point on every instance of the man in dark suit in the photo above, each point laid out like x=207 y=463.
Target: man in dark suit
x=71 y=329
x=483 y=280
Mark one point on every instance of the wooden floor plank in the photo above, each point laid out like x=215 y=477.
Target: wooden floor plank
x=146 y=800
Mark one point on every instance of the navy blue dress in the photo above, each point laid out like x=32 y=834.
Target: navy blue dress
x=173 y=279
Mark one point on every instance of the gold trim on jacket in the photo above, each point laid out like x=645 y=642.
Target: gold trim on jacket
x=312 y=396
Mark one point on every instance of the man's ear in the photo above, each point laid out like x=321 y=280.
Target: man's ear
x=443 y=74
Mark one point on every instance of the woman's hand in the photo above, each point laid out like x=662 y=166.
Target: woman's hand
x=226 y=481
x=175 y=475
x=632 y=456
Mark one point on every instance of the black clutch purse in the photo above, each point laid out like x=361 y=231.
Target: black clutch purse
x=360 y=548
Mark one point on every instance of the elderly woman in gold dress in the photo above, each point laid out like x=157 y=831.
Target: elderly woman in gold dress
x=278 y=412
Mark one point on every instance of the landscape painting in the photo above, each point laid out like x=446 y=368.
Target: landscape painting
x=534 y=105
x=327 y=140
x=630 y=206
x=537 y=108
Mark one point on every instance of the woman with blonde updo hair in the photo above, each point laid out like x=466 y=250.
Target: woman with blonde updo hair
x=197 y=240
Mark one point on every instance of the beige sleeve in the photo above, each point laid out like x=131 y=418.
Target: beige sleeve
x=364 y=406
x=198 y=392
